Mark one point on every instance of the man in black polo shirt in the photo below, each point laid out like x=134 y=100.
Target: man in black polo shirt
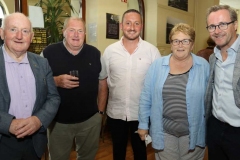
x=78 y=117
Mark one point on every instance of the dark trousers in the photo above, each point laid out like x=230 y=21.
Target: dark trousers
x=17 y=149
x=119 y=132
x=223 y=140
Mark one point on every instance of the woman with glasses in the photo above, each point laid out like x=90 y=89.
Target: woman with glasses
x=172 y=100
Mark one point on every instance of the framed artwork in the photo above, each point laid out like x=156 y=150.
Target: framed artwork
x=179 y=4
x=112 y=30
x=170 y=24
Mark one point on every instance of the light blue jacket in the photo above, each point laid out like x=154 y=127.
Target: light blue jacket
x=151 y=102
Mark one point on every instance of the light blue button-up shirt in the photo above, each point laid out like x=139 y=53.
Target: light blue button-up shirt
x=224 y=107
x=151 y=101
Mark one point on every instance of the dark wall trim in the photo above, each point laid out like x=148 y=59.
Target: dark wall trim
x=142 y=11
x=21 y=6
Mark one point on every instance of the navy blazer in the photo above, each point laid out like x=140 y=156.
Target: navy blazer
x=46 y=104
x=235 y=83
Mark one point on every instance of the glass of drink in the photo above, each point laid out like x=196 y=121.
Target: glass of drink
x=74 y=73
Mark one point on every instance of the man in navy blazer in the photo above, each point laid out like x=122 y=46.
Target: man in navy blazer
x=28 y=97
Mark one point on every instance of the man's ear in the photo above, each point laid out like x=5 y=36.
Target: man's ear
x=120 y=25
x=236 y=25
x=2 y=33
x=64 y=32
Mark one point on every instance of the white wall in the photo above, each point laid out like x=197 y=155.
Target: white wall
x=151 y=19
x=10 y=5
x=96 y=14
x=156 y=12
x=238 y=30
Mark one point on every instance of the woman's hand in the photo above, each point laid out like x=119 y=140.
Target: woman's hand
x=142 y=133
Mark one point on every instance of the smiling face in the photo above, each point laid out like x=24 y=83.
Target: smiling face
x=181 y=51
x=74 y=34
x=131 y=26
x=17 y=34
x=223 y=38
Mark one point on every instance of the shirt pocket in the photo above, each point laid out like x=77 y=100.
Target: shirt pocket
x=143 y=65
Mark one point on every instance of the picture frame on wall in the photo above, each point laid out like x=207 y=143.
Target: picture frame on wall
x=171 y=21
x=112 y=26
x=179 y=4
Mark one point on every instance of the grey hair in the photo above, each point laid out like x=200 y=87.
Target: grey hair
x=73 y=18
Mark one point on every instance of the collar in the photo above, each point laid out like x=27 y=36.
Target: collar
x=9 y=59
x=196 y=61
x=139 y=40
x=233 y=47
x=64 y=43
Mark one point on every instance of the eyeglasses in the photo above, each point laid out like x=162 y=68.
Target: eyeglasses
x=25 y=32
x=74 y=30
x=176 y=42
x=222 y=26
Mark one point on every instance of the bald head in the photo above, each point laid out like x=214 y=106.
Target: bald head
x=17 y=15
x=17 y=34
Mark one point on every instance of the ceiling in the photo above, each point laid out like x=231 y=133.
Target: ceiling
x=233 y=3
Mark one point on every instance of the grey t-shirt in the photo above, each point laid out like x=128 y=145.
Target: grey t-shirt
x=175 y=121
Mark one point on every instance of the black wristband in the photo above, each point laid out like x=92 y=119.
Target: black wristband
x=100 y=112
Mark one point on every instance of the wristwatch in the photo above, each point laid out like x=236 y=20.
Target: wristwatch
x=100 y=112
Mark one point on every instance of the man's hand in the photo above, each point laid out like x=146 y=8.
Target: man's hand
x=13 y=126
x=26 y=127
x=142 y=133
x=66 y=81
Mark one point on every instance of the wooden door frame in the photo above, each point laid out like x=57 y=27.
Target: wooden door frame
x=21 y=6
x=84 y=10
x=142 y=12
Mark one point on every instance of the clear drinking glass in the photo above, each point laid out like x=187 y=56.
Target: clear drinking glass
x=74 y=73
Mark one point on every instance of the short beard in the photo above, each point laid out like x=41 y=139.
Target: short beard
x=130 y=38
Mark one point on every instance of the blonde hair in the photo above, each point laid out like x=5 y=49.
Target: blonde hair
x=184 y=28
